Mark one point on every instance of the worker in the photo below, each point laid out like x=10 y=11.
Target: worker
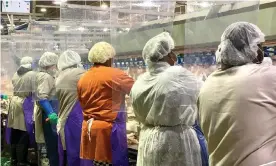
x=164 y=102
x=46 y=115
x=237 y=102
x=101 y=92
x=70 y=113
x=20 y=112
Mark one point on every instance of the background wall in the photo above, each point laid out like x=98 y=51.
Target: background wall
x=195 y=30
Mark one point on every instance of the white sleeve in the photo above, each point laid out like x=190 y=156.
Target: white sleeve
x=45 y=84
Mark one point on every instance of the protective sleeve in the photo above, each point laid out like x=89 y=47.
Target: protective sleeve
x=45 y=84
x=45 y=104
x=124 y=82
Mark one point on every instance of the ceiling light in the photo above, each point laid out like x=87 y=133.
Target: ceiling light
x=58 y=2
x=104 y=6
x=1 y=27
x=81 y=28
x=99 y=21
x=43 y=10
x=62 y=28
x=127 y=29
x=147 y=3
x=205 y=4
x=105 y=29
x=120 y=31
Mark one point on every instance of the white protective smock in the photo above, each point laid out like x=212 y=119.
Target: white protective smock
x=66 y=92
x=45 y=89
x=164 y=101
x=23 y=87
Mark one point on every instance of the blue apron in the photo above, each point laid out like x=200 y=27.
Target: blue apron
x=203 y=145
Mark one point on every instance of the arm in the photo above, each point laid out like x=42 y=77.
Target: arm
x=45 y=85
x=125 y=83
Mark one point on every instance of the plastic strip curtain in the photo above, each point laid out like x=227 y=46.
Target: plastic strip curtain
x=206 y=21
x=42 y=40
x=9 y=66
x=136 y=22
x=81 y=26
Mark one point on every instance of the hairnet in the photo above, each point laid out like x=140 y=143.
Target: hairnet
x=239 y=44
x=67 y=59
x=48 y=59
x=267 y=61
x=158 y=47
x=26 y=62
x=101 y=52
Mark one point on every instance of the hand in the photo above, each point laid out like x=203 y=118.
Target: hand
x=53 y=118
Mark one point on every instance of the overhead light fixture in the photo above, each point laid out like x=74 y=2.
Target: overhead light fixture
x=43 y=10
x=105 y=29
x=100 y=21
x=127 y=29
x=205 y=4
x=62 y=28
x=58 y=2
x=81 y=28
x=147 y=3
x=104 y=6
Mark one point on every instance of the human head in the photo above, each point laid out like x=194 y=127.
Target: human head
x=26 y=62
x=68 y=59
x=48 y=62
x=101 y=53
x=240 y=44
x=159 y=48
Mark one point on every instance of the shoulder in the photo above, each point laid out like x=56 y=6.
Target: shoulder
x=73 y=72
x=44 y=76
x=117 y=71
x=175 y=73
x=31 y=73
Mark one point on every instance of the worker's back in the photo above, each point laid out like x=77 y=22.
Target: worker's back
x=238 y=111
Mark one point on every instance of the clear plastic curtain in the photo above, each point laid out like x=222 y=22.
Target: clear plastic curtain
x=137 y=22
x=81 y=26
x=9 y=66
x=205 y=23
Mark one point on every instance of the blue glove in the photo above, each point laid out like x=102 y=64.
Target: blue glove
x=47 y=107
x=45 y=104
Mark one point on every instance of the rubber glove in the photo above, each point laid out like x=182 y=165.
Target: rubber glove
x=4 y=97
x=52 y=116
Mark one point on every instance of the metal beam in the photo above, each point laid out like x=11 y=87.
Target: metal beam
x=85 y=24
x=153 y=13
x=24 y=14
x=93 y=8
x=47 y=6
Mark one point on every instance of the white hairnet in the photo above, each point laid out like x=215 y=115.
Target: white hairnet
x=239 y=44
x=267 y=61
x=68 y=59
x=48 y=59
x=101 y=52
x=26 y=62
x=158 y=47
